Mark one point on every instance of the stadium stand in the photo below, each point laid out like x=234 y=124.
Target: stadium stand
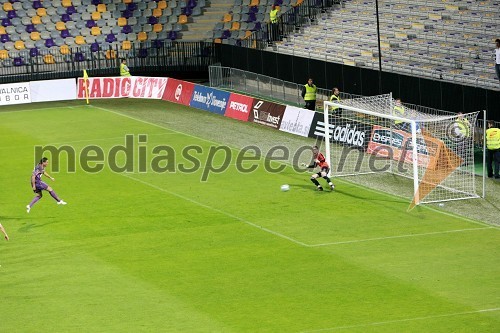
x=451 y=40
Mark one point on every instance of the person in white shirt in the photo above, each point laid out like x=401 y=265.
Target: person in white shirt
x=497 y=58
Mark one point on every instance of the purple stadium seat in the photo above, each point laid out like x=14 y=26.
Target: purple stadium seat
x=143 y=53
x=90 y=24
x=4 y=38
x=30 y=28
x=79 y=57
x=191 y=4
x=33 y=52
x=110 y=38
x=172 y=35
x=18 y=61
x=65 y=18
x=257 y=26
x=187 y=11
x=11 y=14
x=94 y=47
x=226 y=34
x=127 y=14
x=65 y=33
x=37 y=4
x=157 y=43
x=49 y=42
x=71 y=10
x=132 y=6
x=254 y=9
x=126 y=29
x=252 y=17
x=6 y=22
x=152 y=20
x=96 y=2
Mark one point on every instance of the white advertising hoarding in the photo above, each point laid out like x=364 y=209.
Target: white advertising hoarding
x=15 y=93
x=53 y=90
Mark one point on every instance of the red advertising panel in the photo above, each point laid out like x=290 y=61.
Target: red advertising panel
x=239 y=107
x=267 y=113
x=117 y=87
x=178 y=91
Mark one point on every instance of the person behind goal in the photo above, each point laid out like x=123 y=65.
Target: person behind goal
x=319 y=161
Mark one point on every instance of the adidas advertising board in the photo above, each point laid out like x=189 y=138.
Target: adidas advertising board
x=348 y=132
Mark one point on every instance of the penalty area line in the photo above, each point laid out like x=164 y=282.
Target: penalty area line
x=217 y=210
x=380 y=323
x=399 y=236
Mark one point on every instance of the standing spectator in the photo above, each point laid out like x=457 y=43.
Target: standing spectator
x=309 y=94
x=335 y=97
x=124 y=71
x=493 y=146
x=273 y=18
x=497 y=58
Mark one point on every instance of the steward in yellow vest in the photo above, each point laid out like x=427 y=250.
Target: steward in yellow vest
x=493 y=153
x=309 y=94
x=124 y=71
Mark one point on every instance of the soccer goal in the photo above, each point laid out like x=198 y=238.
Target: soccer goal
x=424 y=154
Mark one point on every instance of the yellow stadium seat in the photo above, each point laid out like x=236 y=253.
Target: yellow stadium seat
x=254 y=3
x=2 y=30
x=95 y=31
x=142 y=36
x=60 y=26
x=235 y=26
x=80 y=40
x=110 y=54
x=96 y=16
x=182 y=19
x=218 y=40
x=127 y=1
x=4 y=54
x=101 y=8
x=228 y=17
x=35 y=35
x=66 y=3
x=299 y=2
x=19 y=45
x=248 y=33
x=157 y=12
x=41 y=12
x=7 y=7
x=162 y=4
x=126 y=45
x=36 y=20
x=158 y=27
x=64 y=49
x=48 y=59
x=122 y=21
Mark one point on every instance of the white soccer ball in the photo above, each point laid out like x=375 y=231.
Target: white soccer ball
x=285 y=187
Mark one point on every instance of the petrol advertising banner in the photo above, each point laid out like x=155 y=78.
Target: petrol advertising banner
x=209 y=99
x=239 y=107
x=267 y=113
x=178 y=91
x=347 y=132
x=119 y=87
x=297 y=121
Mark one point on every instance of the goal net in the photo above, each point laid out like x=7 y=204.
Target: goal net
x=424 y=154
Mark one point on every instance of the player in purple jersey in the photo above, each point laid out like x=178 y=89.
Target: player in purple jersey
x=38 y=185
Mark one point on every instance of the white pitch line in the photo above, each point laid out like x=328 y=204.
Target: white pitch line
x=40 y=109
x=401 y=320
x=217 y=210
x=400 y=236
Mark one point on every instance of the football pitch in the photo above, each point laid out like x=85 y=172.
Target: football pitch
x=154 y=248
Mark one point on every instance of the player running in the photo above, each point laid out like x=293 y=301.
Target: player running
x=38 y=185
x=320 y=161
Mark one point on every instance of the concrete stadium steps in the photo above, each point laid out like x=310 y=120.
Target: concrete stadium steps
x=201 y=27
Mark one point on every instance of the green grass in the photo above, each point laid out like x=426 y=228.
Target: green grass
x=164 y=252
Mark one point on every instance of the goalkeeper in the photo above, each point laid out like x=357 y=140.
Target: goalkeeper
x=319 y=161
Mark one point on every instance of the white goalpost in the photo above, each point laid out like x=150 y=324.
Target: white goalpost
x=424 y=154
